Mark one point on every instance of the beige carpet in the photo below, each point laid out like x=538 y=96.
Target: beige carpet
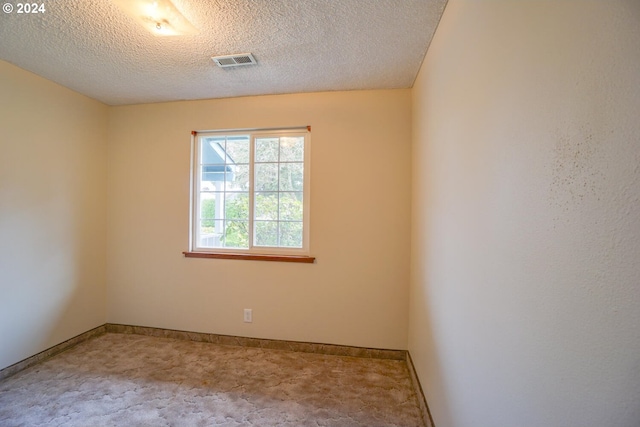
x=134 y=380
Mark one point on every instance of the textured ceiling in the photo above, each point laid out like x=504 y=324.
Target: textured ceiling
x=93 y=47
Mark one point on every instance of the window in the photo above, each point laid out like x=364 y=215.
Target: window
x=250 y=192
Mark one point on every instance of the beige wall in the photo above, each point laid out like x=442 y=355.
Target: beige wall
x=525 y=296
x=52 y=214
x=355 y=294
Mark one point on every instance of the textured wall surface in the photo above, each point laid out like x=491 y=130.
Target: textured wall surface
x=52 y=214
x=525 y=297
x=357 y=291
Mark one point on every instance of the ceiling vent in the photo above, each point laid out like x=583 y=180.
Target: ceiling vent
x=238 y=60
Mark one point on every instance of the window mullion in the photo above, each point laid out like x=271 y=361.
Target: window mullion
x=278 y=193
x=251 y=189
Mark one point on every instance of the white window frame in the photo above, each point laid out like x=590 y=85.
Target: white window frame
x=196 y=181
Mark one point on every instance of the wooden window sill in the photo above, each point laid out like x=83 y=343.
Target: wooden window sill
x=253 y=257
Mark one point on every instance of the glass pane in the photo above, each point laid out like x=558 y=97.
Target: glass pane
x=237 y=178
x=292 y=149
x=236 y=206
x=291 y=234
x=266 y=177
x=266 y=150
x=212 y=151
x=207 y=206
x=210 y=174
x=290 y=206
x=209 y=233
x=291 y=176
x=237 y=149
x=211 y=205
x=266 y=206
x=236 y=234
x=266 y=233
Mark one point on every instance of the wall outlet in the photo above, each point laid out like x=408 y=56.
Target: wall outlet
x=248 y=315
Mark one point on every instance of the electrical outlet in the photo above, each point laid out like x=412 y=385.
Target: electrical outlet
x=248 y=315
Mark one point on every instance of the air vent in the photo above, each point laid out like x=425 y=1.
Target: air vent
x=225 y=61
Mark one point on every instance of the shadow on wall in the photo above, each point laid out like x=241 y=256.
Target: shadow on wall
x=425 y=350
x=52 y=254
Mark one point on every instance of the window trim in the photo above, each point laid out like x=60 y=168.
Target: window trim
x=253 y=252
x=252 y=257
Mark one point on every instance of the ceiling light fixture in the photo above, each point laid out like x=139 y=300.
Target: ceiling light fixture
x=160 y=17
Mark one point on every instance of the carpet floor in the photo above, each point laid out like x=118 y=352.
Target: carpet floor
x=135 y=380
